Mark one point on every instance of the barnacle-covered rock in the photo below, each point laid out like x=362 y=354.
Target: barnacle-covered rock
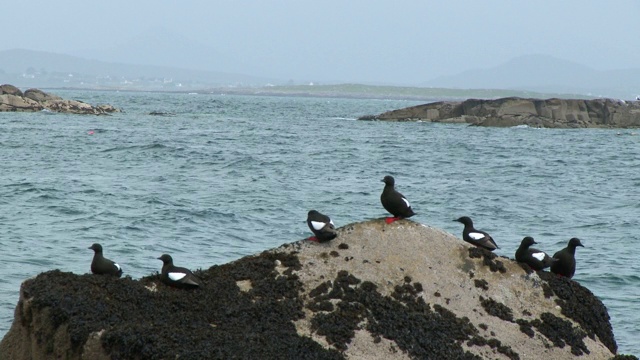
x=378 y=291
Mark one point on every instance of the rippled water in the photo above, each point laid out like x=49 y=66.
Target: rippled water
x=226 y=176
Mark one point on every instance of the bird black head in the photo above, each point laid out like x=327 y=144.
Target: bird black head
x=389 y=180
x=528 y=241
x=312 y=213
x=166 y=259
x=465 y=220
x=575 y=242
x=96 y=247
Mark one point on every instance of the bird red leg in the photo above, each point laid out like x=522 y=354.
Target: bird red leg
x=389 y=220
x=313 y=238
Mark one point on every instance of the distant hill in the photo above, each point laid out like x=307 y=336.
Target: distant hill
x=542 y=73
x=529 y=76
x=24 y=68
x=161 y=47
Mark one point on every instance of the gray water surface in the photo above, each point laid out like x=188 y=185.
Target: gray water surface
x=227 y=176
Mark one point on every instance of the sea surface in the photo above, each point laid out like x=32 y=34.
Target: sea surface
x=216 y=177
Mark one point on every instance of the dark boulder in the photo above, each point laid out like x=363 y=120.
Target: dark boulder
x=10 y=90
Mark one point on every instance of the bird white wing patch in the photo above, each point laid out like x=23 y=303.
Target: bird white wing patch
x=406 y=202
x=318 y=225
x=175 y=276
x=117 y=266
x=539 y=256
x=476 y=236
x=331 y=222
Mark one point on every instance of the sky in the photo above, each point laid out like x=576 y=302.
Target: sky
x=384 y=42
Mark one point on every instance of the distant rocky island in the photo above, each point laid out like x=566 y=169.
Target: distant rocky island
x=13 y=99
x=378 y=291
x=514 y=111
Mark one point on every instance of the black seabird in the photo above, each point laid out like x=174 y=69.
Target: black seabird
x=394 y=202
x=476 y=237
x=536 y=259
x=177 y=276
x=321 y=226
x=566 y=259
x=101 y=265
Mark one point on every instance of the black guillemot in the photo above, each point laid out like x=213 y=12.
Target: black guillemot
x=536 y=259
x=566 y=259
x=101 y=265
x=394 y=202
x=322 y=226
x=476 y=237
x=177 y=276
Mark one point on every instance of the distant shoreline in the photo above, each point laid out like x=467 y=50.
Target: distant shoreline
x=348 y=91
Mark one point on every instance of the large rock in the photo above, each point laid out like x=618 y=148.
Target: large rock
x=378 y=291
x=12 y=99
x=40 y=96
x=10 y=89
x=10 y=102
x=557 y=113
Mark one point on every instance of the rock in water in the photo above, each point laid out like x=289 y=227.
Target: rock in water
x=12 y=99
x=514 y=111
x=379 y=291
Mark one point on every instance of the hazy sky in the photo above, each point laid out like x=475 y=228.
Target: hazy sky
x=396 y=42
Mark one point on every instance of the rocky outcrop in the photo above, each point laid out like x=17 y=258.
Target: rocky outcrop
x=506 y=112
x=12 y=99
x=379 y=291
x=10 y=90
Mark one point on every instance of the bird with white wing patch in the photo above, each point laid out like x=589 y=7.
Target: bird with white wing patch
x=394 y=202
x=101 y=265
x=322 y=227
x=177 y=276
x=536 y=259
x=476 y=237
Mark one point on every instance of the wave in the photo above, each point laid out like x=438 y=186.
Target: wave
x=65 y=210
x=152 y=146
x=30 y=186
x=10 y=145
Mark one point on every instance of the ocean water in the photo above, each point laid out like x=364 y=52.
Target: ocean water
x=220 y=177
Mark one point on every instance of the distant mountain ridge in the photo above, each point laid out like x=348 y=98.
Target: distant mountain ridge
x=531 y=73
x=41 y=69
x=543 y=73
x=161 y=47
